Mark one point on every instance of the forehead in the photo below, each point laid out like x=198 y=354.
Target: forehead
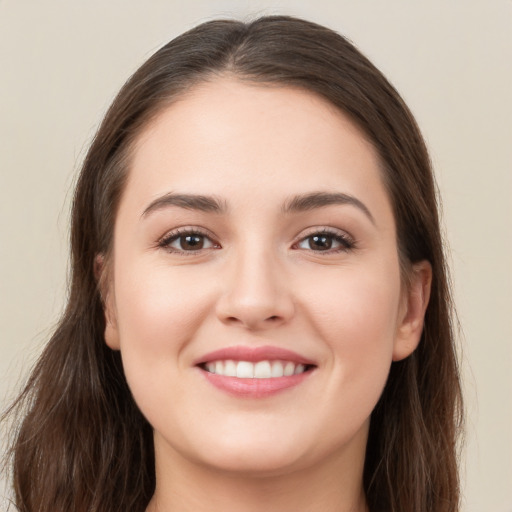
x=237 y=139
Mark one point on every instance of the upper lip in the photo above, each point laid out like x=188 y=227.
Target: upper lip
x=254 y=355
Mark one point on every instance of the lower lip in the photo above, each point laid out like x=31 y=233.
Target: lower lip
x=254 y=388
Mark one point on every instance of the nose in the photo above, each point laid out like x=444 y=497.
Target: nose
x=255 y=294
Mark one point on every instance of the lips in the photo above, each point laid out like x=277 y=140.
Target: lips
x=254 y=372
x=254 y=354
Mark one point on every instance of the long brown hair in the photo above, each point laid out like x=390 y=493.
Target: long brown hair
x=83 y=445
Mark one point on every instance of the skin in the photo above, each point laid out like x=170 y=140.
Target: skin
x=258 y=281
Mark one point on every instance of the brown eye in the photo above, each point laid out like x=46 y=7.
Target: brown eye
x=320 y=242
x=191 y=242
x=186 y=242
x=324 y=242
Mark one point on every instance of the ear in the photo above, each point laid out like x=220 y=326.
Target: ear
x=106 y=286
x=412 y=314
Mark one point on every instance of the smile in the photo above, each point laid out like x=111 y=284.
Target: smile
x=254 y=372
x=260 y=370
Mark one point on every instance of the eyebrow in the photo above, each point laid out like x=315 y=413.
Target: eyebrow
x=188 y=201
x=313 y=200
x=298 y=203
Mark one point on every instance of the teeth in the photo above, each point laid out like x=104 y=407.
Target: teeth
x=289 y=369
x=230 y=368
x=244 y=370
x=298 y=369
x=262 y=370
x=277 y=369
x=259 y=370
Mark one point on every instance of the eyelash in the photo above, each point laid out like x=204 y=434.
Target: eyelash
x=346 y=242
x=169 y=238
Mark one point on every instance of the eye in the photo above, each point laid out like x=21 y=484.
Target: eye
x=187 y=241
x=326 y=241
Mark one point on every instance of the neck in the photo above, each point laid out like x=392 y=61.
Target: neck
x=189 y=487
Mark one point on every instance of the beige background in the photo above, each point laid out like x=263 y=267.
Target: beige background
x=62 y=61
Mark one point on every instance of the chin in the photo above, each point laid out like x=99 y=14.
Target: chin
x=257 y=462
x=252 y=452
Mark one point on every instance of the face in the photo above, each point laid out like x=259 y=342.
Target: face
x=255 y=291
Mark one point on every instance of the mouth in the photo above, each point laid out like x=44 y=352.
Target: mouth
x=255 y=372
x=265 y=369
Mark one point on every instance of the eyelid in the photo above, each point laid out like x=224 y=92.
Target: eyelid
x=171 y=235
x=348 y=241
x=345 y=239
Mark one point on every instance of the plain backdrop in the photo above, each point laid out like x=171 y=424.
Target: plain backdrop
x=62 y=61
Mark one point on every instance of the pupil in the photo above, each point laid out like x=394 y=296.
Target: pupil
x=192 y=242
x=320 y=242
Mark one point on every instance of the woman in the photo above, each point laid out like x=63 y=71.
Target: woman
x=259 y=313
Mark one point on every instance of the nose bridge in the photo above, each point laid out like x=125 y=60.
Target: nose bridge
x=256 y=294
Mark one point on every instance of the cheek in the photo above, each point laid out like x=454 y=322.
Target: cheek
x=355 y=314
x=154 y=304
x=355 y=309
x=158 y=310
